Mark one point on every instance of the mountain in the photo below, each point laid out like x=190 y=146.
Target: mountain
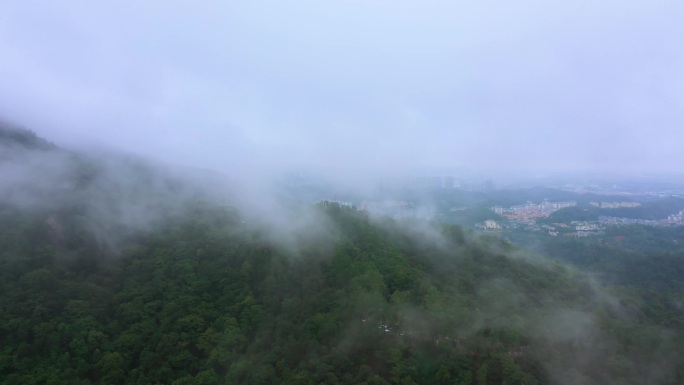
x=11 y=136
x=126 y=285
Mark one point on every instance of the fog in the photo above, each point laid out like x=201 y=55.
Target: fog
x=119 y=198
x=352 y=88
x=169 y=107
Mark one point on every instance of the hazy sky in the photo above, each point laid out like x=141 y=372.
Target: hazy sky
x=352 y=86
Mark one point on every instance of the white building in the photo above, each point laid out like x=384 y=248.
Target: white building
x=491 y=225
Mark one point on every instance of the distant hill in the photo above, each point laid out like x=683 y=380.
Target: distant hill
x=536 y=194
x=570 y=214
x=651 y=210
x=20 y=137
x=658 y=209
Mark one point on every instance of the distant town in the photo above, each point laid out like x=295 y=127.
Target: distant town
x=525 y=217
x=553 y=207
x=532 y=210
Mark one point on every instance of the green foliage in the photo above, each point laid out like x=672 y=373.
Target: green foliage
x=206 y=300
x=645 y=266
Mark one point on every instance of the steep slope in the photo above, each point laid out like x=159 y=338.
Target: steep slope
x=12 y=136
x=208 y=300
x=118 y=282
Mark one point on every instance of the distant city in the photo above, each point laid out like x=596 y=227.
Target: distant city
x=587 y=205
x=525 y=216
x=532 y=210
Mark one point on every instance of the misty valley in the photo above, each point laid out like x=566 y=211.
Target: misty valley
x=120 y=270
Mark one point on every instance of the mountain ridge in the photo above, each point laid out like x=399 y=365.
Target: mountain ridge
x=119 y=283
x=11 y=135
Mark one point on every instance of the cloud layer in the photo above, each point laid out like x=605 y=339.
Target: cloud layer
x=352 y=87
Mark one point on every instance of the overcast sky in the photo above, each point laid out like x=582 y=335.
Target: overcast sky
x=352 y=86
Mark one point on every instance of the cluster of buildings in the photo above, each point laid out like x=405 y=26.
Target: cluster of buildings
x=613 y=221
x=672 y=220
x=586 y=226
x=676 y=219
x=614 y=205
x=491 y=225
x=532 y=210
x=574 y=229
x=524 y=216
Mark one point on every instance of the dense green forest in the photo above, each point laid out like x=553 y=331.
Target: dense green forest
x=646 y=262
x=208 y=300
x=96 y=292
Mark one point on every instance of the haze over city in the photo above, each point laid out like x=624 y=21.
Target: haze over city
x=354 y=87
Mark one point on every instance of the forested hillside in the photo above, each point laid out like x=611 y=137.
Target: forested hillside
x=646 y=262
x=205 y=295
